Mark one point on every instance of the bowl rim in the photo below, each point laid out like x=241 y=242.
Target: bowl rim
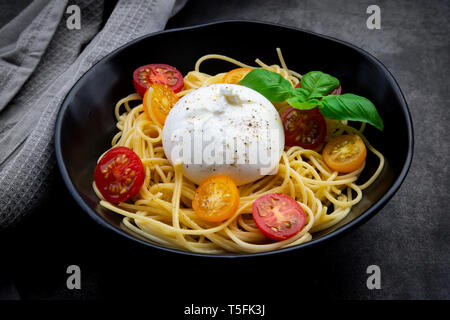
x=364 y=217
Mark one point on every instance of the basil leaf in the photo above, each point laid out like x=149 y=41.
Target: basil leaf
x=351 y=107
x=318 y=84
x=301 y=93
x=299 y=102
x=270 y=84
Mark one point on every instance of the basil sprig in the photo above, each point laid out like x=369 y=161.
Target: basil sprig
x=313 y=93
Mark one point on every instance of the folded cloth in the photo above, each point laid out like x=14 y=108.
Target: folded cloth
x=41 y=58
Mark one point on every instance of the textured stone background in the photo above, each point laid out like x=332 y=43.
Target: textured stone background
x=409 y=239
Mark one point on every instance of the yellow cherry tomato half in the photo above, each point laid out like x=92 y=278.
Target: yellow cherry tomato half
x=216 y=199
x=345 y=153
x=157 y=101
x=236 y=75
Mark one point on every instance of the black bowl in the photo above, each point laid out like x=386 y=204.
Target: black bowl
x=86 y=123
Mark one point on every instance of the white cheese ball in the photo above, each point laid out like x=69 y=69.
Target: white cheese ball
x=224 y=129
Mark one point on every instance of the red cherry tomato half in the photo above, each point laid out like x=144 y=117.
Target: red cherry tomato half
x=278 y=216
x=119 y=174
x=149 y=74
x=304 y=128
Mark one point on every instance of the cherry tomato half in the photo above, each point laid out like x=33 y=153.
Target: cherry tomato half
x=160 y=99
x=119 y=174
x=149 y=74
x=304 y=128
x=236 y=75
x=345 y=153
x=278 y=216
x=216 y=199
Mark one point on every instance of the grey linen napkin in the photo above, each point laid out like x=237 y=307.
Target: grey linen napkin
x=40 y=60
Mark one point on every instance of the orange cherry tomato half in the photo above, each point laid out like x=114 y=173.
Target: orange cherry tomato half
x=345 y=153
x=278 y=216
x=145 y=76
x=236 y=75
x=119 y=174
x=158 y=100
x=216 y=199
x=304 y=128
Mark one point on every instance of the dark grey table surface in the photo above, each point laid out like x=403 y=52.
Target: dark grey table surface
x=409 y=239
